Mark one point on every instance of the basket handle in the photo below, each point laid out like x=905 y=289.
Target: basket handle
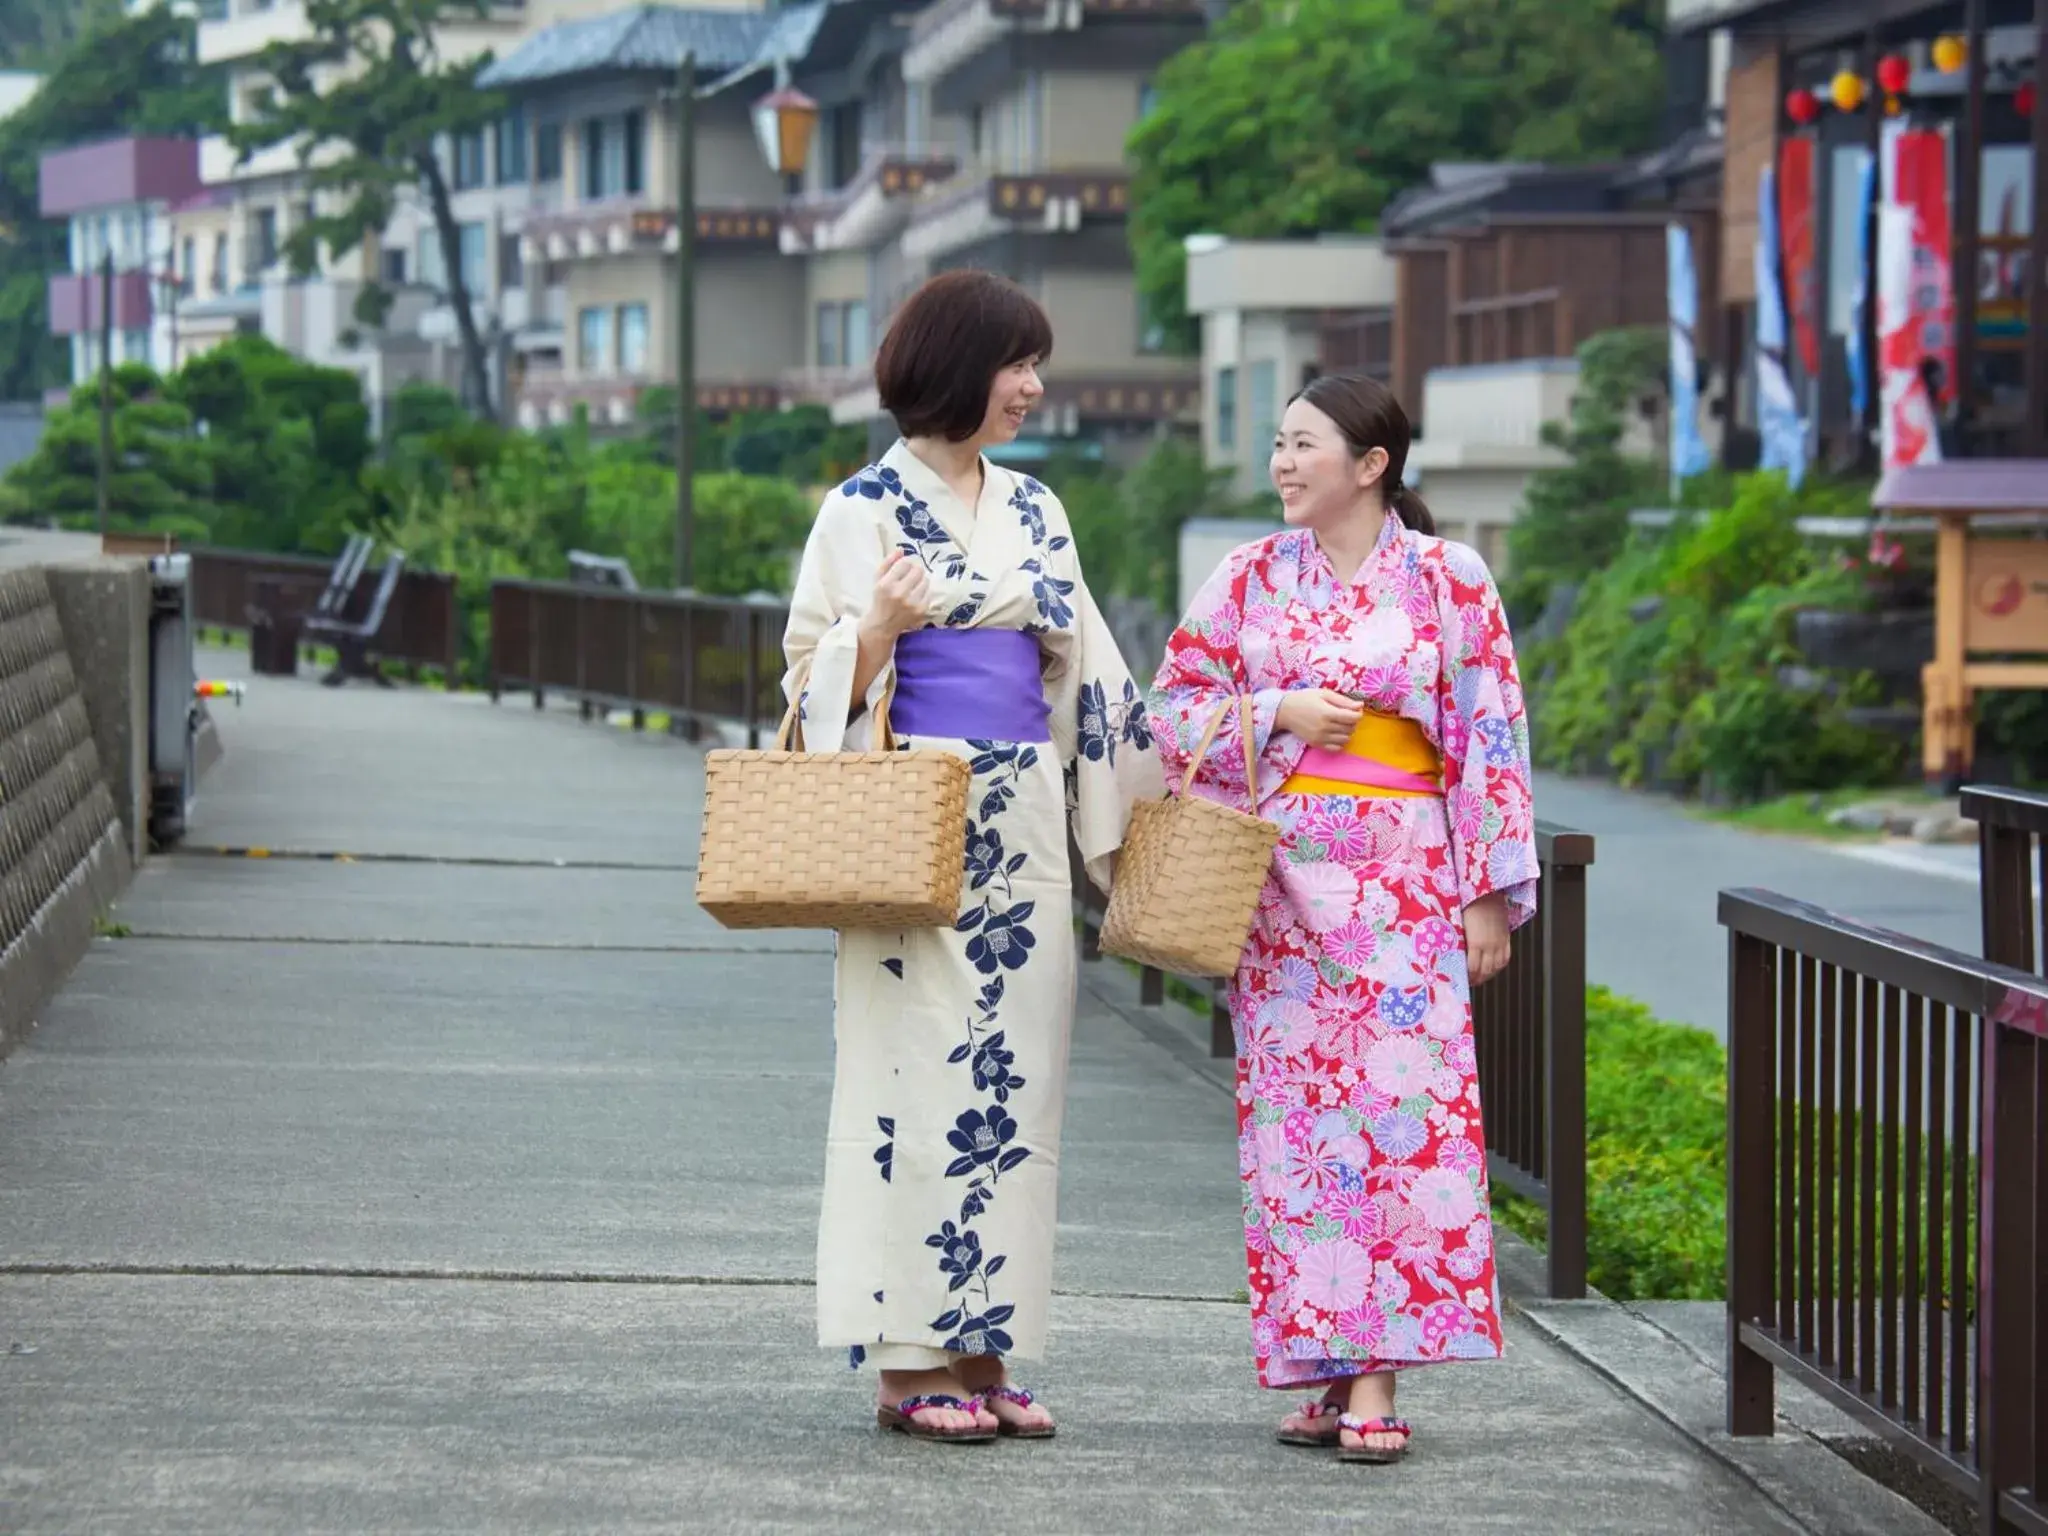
x=1251 y=768
x=789 y=736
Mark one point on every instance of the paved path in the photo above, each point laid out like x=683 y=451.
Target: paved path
x=1650 y=902
x=470 y=1184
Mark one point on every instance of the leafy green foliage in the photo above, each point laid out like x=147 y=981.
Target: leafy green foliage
x=1300 y=116
x=367 y=100
x=1574 y=518
x=118 y=75
x=34 y=33
x=1678 y=667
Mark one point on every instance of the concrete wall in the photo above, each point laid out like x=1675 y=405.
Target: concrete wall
x=64 y=853
x=103 y=608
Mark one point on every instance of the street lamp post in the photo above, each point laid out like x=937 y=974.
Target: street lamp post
x=686 y=320
x=104 y=478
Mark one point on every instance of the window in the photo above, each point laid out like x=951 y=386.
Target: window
x=859 y=344
x=593 y=158
x=1226 y=411
x=511 y=264
x=831 y=337
x=547 y=153
x=1148 y=98
x=1265 y=407
x=469 y=159
x=135 y=346
x=633 y=154
x=265 y=239
x=512 y=147
x=393 y=268
x=433 y=269
x=633 y=339
x=476 y=259
x=591 y=326
x=220 y=262
x=188 y=267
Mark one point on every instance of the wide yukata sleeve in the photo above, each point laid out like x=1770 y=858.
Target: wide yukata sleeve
x=1485 y=741
x=835 y=582
x=1205 y=672
x=1099 y=724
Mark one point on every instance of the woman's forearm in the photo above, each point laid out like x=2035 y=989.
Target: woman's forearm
x=874 y=648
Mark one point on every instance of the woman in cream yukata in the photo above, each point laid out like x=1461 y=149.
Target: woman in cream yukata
x=952 y=586
x=1393 y=753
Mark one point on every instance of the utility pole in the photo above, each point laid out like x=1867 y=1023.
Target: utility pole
x=106 y=464
x=686 y=320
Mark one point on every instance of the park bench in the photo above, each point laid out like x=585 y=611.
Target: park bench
x=588 y=570
x=276 y=611
x=355 y=640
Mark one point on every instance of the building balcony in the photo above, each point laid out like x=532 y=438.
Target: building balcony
x=75 y=302
x=117 y=173
x=946 y=36
x=871 y=208
x=988 y=207
x=545 y=396
x=824 y=386
x=599 y=230
x=219 y=163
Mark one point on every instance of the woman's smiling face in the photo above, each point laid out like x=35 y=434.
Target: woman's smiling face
x=1313 y=468
x=1012 y=397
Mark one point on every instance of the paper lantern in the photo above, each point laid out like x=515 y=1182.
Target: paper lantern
x=1846 y=90
x=2023 y=99
x=1949 y=53
x=1894 y=74
x=1802 y=106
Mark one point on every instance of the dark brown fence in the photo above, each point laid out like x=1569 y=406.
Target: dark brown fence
x=1529 y=1027
x=2012 y=858
x=1887 y=1167
x=699 y=659
x=422 y=627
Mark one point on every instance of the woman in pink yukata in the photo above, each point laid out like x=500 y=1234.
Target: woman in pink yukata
x=1393 y=754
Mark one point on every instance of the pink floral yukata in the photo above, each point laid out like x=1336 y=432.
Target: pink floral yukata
x=1366 y=1209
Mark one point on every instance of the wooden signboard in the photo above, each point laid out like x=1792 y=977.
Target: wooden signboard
x=2005 y=590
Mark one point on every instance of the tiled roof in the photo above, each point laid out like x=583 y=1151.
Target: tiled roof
x=646 y=38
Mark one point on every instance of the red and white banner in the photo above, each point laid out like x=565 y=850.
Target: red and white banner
x=1798 y=257
x=1916 y=347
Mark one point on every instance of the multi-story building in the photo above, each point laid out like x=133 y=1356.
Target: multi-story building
x=1004 y=123
x=120 y=197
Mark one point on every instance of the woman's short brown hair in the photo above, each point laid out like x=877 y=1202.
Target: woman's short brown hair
x=947 y=344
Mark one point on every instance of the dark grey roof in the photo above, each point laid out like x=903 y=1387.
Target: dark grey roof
x=647 y=38
x=1459 y=194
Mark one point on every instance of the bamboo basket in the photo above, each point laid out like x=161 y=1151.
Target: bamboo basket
x=1189 y=876
x=796 y=839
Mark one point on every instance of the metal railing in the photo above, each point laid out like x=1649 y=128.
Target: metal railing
x=1529 y=1029
x=422 y=627
x=2012 y=859
x=1887 y=1160
x=701 y=660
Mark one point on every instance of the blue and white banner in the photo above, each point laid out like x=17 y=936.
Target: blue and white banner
x=1689 y=454
x=1859 y=360
x=1782 y=432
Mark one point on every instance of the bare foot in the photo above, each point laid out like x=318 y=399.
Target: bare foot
x=985 y=1373
x=1372 y=1397
x=898 y=1385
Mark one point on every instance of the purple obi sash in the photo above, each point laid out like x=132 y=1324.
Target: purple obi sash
x=970 y=685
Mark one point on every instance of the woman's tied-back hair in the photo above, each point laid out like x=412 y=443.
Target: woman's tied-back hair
x=1369 y=416
x=947 y=344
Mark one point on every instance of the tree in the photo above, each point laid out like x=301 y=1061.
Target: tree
x=34 y=32
x=1304 y=116
x=368 y=99
x=122 y=75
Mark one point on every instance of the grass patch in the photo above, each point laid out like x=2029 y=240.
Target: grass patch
x=1806 y=815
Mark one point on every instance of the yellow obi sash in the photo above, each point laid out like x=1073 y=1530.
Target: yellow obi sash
x=1387 y=755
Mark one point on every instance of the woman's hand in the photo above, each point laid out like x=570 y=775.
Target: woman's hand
x=1486 y=937
x=903 y=595
x=1322 y=717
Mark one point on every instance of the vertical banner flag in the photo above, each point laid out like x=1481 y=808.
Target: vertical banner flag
x=1860 y=298
x=1689 y=454
x=1799 y=259
x=1777 y=412
x=1916 y=295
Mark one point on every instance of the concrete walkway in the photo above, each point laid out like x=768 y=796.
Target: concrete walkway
x=468 y=1182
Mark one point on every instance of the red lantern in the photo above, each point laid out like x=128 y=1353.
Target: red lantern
x=1894 y=74
x=1802 y=106
x=2023 y=99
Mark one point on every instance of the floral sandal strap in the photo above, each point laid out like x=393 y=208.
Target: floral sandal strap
x=1317 y=1408
x=1003 y=1392
x=1386 y=1425
x=910 y=1407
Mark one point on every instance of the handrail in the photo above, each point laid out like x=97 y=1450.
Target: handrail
x=2012 y=853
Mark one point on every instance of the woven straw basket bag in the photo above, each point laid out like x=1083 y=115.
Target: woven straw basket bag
x=796 y=839
x=1189 y=877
